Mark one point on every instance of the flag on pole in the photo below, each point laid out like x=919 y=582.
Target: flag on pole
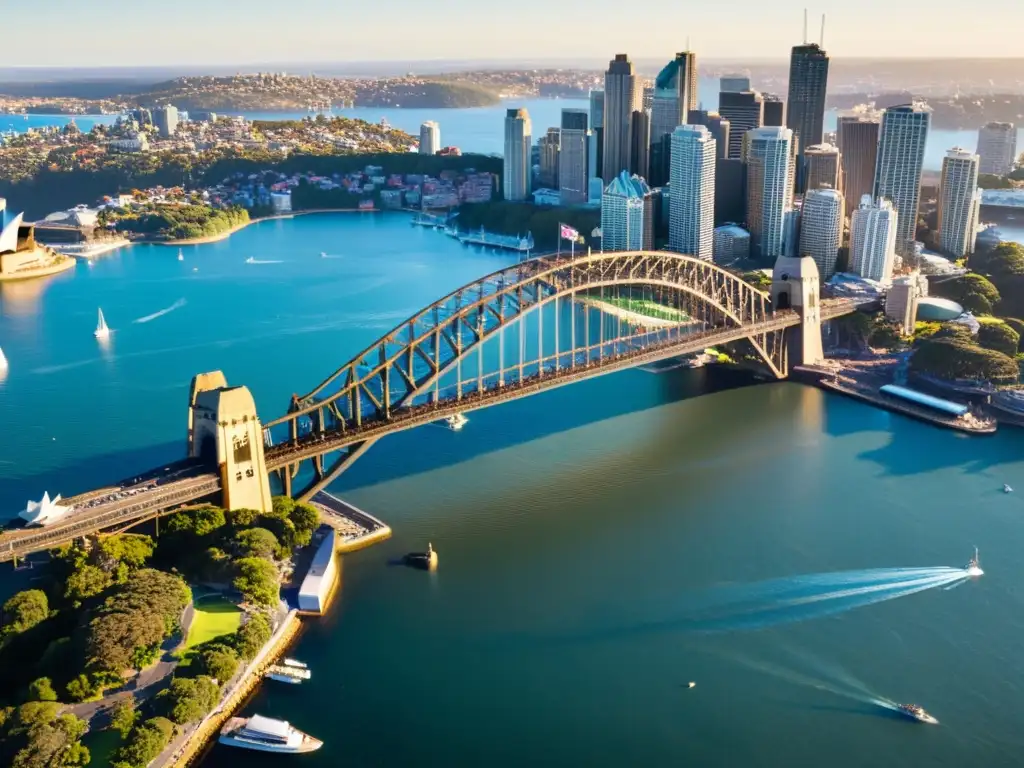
x=568 y=233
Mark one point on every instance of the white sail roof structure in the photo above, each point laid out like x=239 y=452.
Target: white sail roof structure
x=9 y=235
x=44 y=512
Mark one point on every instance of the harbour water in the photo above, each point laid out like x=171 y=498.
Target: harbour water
x=582 y=533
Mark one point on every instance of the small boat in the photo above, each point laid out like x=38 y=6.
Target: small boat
x=456 y=422
x=102 y=331
x=323 y=254
x=3 y=360
x=974 y=565
x=1007 y=489
x=285 y=674
x=426 y=561
x=294 y=664
x=265 y=734
x=916 y=712
x=251 y=260
x=181 y=256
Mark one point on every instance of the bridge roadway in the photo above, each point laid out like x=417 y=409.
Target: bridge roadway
x=161 y=490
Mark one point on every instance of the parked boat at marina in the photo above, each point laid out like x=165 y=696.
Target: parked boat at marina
x=287 y=674
x=265 y=734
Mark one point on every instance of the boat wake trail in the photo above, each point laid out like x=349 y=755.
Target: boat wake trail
x=264 y=261
x=148 y=318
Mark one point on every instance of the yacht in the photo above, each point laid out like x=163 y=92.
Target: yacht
x=287 y=674
x=916 y=712
x=264 y=734
x=974 y=566
x=1007 y=489
x=456 y=422
x=102 y=331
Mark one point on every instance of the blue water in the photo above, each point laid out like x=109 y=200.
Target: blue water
x=603 y=513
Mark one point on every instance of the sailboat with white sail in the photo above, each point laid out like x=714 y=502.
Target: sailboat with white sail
x=102 y=330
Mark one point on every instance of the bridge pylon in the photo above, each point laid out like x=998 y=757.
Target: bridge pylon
x=795 y=285
x=224 y=429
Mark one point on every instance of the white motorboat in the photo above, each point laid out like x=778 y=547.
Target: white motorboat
x=285 y=674
x=294 y=663
x=181 y=256
x=102 y=330
x=264 y=734
x=251 y=260
x=1007 y=489
x=974 y=566
x=456 y=422
x=915 y=712
x=323 y=254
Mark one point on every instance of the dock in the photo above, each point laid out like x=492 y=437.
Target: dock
x=355 y=528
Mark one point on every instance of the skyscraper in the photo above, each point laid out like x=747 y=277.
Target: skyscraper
x=647 y=98
x=550 y=145
x=821 y=229
x=774 y=110
x=734 y=84
x=518 y=140
x=958 y=203
x=166 y=120
x=771 y=167
x=597 y=129
x=714 y=122
x=687 y=63
x=745 y=111
x=430 y=138
x=808 y=79
x=873 y=240
x=573 y=161
x=901 y=144
x=822 y=167
x=621 y=99
x=627 y=215
x=997 y=148
x=691 y=225
x=857 y=141
x=674 y=88
x=730 y=191
x=640 y=142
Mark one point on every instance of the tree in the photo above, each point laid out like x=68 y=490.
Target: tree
x=35 y=736
x=255 y=542
x=198 y=522
x=1000 y=337
x=283 y=506
x=129 y=549
x=974 y=292
x=188 y=699
x=219 y=662
x=145 y=742
x=257 y=580
x=252 y=636
x=242 y=518
x=125 y=716
x=1018 y=326
x=23 y=611
x=952 y=359
x=1003 y=259
x=41 y=689
x=306 y=519
x=81 y=688
x=991 y=181
x=85 y=582
x=885 y=335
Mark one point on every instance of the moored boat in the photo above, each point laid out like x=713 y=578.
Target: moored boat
x=265 y=734
x=287 y=674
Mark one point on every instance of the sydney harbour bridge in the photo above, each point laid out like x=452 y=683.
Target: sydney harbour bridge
x=533 y=326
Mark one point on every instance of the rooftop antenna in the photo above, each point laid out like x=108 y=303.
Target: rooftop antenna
x=822 y=43
x=805 y=26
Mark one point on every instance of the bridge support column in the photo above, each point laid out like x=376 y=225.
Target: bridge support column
x=795 y=286
x=225 y=430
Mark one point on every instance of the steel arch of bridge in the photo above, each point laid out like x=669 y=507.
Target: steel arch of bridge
x=407 y=364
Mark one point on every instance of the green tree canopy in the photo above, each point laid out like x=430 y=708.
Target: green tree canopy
x=1017 y=325
x=1004 y=259
x=252 y=635
x=255 y=542
x=219 y=662
x=125 y=716
x=974 y=292
x=145 y=742
x=951 y=359
x=1000 y=337
x=23 y=611
x=257 y=580
x=86 y=581
x=306 y=519
x=188 y=699
x=35 y=736
x=41 y=689
x=198 y=522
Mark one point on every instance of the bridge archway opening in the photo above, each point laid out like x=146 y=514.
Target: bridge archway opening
x=782 y=301
x=208 y=450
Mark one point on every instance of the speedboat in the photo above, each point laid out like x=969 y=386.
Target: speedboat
x=102 y=331
x=181 y=256
x=1007 y=489
x=323 y=254
x=916 y=712
x=456 y=422
x=974 y=565
x=251 y=260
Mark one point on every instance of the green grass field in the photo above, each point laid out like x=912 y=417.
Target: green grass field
x=214 y=617
x=101 y=746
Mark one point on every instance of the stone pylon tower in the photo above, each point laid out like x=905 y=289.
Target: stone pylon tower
x=795 y=286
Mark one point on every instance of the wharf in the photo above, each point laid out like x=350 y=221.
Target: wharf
x=356 y=528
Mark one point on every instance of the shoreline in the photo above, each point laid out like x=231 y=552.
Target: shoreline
x=66 y=263
x=239 y=227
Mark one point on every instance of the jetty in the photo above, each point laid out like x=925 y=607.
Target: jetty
x=517 y=243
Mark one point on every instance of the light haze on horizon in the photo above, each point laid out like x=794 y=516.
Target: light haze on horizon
x=197 y=32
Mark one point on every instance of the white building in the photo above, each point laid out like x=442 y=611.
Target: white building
x=627 y=215
x=321 y=577
x=166 y=120
x=691 y=227
x=731 y=244
x=997 y=148
x=430 y=138
x=873 y=240
x=898 y=168
x=959 y=201
x=901 y=300
x=44 y=512
x=518 y=139
x=821 y=229
x=771 y=174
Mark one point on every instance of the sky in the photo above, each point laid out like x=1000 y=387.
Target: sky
x=70 y=33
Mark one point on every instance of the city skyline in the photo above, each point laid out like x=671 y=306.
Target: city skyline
x=307 y=32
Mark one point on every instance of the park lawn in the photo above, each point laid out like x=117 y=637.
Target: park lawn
x=214 y=617
x=102 y=745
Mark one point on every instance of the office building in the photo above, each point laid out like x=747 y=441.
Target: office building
x=901 y=146
x=640 y=143
x=165 y=119
x=714 y=122
x=997 y=148
x=808 y=79
x=821 y=228
x=549 y=146
x=958 y=203
x=674 y=89
x=430 y=138
x=692 y=205
x=730 y=190
x=822 y=167
x=731 y=244
x=647 y=98
x=745 y=111
x=518 y=152
x=873 y=240
x=627 y=214
x=774 y=111
x=621 y=100
x=857 y=142
x=597 y=130
x=573 y=158
x=734 y=84
x=771 y=168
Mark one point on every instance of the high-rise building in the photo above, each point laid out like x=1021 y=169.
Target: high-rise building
x=822 y=167
x=873 y=240
x=430 y=138
x=647 y=98
x=714 y=122
x=595 y=186
x=640 y=142
x=550 y=145
x=573 y=160
x=821 y=228
x=731 y=244
x=597 y=129
x=774 y=110
x=518 y=149
x=958 y=203
x=997 y=148
x=166 y=120
x=734 y=84
x=857 y=141
x=621 y=99
x=627 y=214
x=730 y=191
x=771 y=167
x=674 y=89
x=901 y=145
x=745 y=111
x=808 y=79
x=692 y=204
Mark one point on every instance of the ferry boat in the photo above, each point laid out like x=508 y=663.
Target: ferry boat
x=264 y=734
x=915 y=712
x=456 y=422
x=102 y=330
x=974 y=565
x=287 y=674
